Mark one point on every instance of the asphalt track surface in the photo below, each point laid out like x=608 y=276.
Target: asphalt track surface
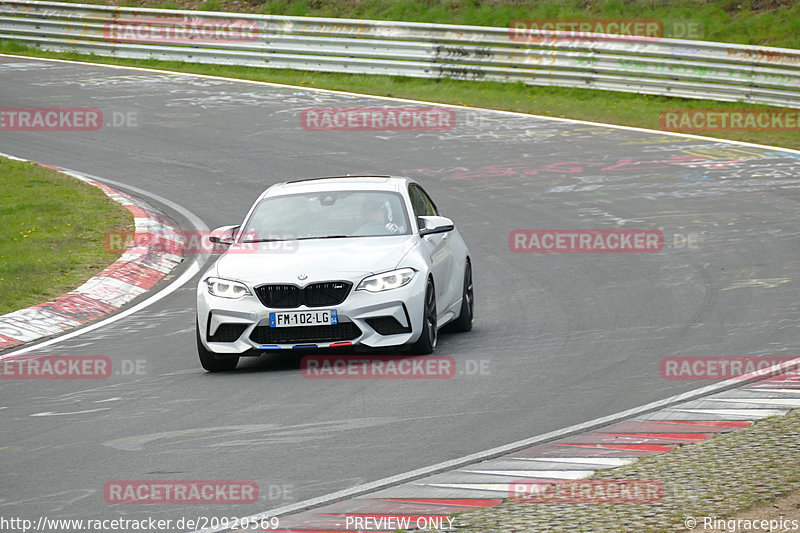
x=568 y=337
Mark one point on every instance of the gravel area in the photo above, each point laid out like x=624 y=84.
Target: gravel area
x=728 y=476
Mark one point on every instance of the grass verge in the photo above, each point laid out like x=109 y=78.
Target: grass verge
x=626 y=109
x=762 y=22
x=51 y=233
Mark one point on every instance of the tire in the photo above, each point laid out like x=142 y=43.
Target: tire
x=430 y=331
x=210 y=361
x=464 y=320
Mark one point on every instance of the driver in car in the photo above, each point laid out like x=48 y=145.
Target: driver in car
x=376 y=219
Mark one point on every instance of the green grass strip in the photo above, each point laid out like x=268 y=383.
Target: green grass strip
x=51 y=233
x=759 y=22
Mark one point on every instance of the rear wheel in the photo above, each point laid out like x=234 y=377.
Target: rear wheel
x=430 y=332
x=211 y=361
x=464 y=320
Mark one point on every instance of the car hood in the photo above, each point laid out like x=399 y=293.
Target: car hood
x=318 y=259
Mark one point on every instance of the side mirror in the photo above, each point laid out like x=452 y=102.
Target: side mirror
x=223 y=235
x=429 y=225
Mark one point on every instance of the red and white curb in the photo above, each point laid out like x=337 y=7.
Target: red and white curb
x=428 y=502
x=136 y=271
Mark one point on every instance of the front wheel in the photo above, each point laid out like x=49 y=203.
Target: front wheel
x=464 y=320
x=210 y=361
x=430 y=332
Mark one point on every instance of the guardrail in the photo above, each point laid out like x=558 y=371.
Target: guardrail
x=671 y=67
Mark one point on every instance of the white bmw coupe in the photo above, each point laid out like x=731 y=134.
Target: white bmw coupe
x=332 y=262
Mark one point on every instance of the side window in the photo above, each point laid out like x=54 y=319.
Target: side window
x=421 y=202
x=431 y=206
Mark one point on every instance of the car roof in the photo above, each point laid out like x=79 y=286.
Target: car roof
x=339 y=183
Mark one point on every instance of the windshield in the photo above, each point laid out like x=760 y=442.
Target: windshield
x=336 y=214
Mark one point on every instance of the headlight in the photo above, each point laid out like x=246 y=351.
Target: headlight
x=387 y=280
x=225 y=288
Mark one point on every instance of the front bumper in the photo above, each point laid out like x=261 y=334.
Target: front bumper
x=382 y=319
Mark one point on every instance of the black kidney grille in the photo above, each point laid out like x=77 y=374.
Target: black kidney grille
x=280 y=296
x=314 y=295
x=327 y=293
x=343 y=331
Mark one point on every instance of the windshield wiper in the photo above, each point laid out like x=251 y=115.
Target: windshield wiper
x=266 y=240
x=324 y=237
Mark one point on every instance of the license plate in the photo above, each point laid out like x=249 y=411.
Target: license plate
x=288 y=319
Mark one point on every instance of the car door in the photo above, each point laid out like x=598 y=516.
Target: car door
x=436 y=247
